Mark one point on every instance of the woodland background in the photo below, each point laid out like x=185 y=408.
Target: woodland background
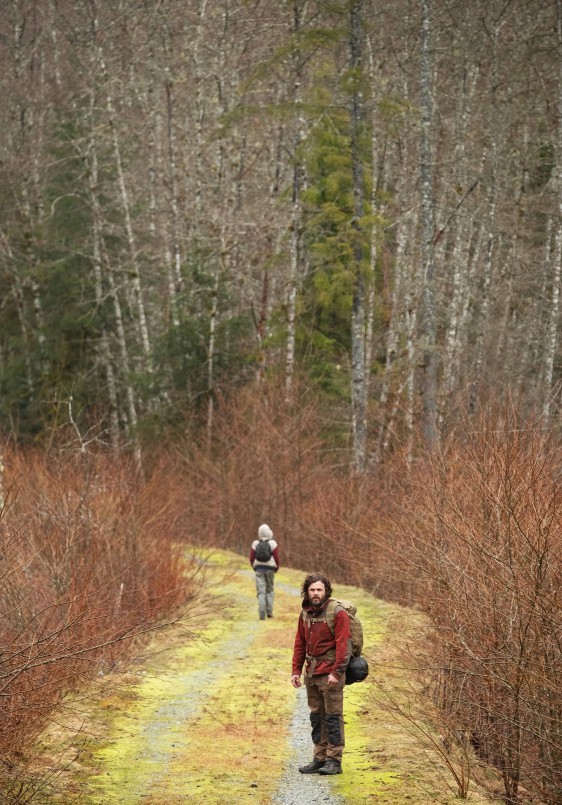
x=293 y=261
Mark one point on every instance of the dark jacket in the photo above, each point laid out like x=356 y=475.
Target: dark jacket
x=316 y=639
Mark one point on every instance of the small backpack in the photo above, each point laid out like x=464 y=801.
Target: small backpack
x=263 y=550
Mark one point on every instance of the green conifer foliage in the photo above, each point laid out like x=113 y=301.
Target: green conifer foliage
x=327 y=292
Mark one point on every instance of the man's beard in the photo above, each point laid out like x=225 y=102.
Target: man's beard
x=318 y=604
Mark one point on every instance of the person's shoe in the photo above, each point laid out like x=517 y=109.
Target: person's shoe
x=330 y=767
x=270 y=616
x=313 y=767
x=262 y=617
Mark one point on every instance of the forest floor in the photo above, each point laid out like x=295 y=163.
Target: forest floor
x=207 y=715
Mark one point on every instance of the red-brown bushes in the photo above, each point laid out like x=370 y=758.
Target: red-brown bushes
x=264 y=462
x=483 y=529
x=89 y=558
x=274 y=462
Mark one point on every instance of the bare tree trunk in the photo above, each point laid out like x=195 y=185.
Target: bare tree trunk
x=427 y=227
x=174 y=274
x=403 y=293
x=377 y=168
x=135 y=271
x=460 y=344
x=97 y=228
x=55 y=44
x=294 y=262
x=415 y=284
x=460 y=253
x=534 y=347
x=296 y=211
x=551 y=336
x=397 y=396
x=260 y=322
x=484 y=295
x=211 y=351
x=100 y=258
x=221 y=221
x=199 y=112
x=221 y=270
x=358 y=316
x=40 y=320
x=126 y=208
x=125 y=365
x=155 y=159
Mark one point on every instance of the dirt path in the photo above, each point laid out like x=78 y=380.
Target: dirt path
x=213 y=719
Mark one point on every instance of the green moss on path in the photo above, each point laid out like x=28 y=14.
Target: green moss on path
x=210 y=716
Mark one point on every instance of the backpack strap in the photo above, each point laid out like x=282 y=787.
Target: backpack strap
x=332 y=610
x=328 y=616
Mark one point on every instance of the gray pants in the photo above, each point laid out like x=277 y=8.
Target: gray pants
x=264 y=589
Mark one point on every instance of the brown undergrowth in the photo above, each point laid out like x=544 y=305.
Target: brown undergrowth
x=88 y=568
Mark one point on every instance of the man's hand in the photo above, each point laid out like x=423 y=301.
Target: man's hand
x=333 y=681
x=296 y=681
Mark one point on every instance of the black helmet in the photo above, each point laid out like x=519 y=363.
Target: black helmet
x=356 y=671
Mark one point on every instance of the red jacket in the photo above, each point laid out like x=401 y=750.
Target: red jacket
x=316 y=639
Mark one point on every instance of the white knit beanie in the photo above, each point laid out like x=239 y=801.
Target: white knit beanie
x=265 y=532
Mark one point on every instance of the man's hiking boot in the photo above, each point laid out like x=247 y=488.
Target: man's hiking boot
x=313 y=767
x=330 y=767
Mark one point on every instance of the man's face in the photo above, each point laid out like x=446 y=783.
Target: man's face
x=317 y=593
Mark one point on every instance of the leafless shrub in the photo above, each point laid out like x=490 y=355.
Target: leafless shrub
x=89 y=560
x=482 y=529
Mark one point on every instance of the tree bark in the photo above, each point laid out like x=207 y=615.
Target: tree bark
x=551 y=336
x=175 y=282
x=134 y=271
x=97 y=251
x=296 y=208
x=429 y=341
x=358 y=315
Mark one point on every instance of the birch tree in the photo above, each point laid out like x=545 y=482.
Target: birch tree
x=429 y=344
x=358 y=315
x=553 y=322
x=299 y=180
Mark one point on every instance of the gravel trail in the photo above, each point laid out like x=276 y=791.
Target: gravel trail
x=143 y=760
x=189 y=697
x=296 y=788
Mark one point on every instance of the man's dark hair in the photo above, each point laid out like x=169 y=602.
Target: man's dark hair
x=312 y=579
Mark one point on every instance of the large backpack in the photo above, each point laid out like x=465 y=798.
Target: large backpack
x=329 y=617
x=263 y=550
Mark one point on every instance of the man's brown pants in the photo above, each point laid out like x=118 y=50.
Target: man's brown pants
x=326 y=717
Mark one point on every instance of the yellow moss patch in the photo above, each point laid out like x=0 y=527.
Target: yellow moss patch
x=235 y=749
x=240 y=722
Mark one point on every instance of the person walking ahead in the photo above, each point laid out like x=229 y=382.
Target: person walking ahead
x=264 y=558
x=326 y=654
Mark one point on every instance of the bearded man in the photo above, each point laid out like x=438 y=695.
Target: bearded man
x=323 y=641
